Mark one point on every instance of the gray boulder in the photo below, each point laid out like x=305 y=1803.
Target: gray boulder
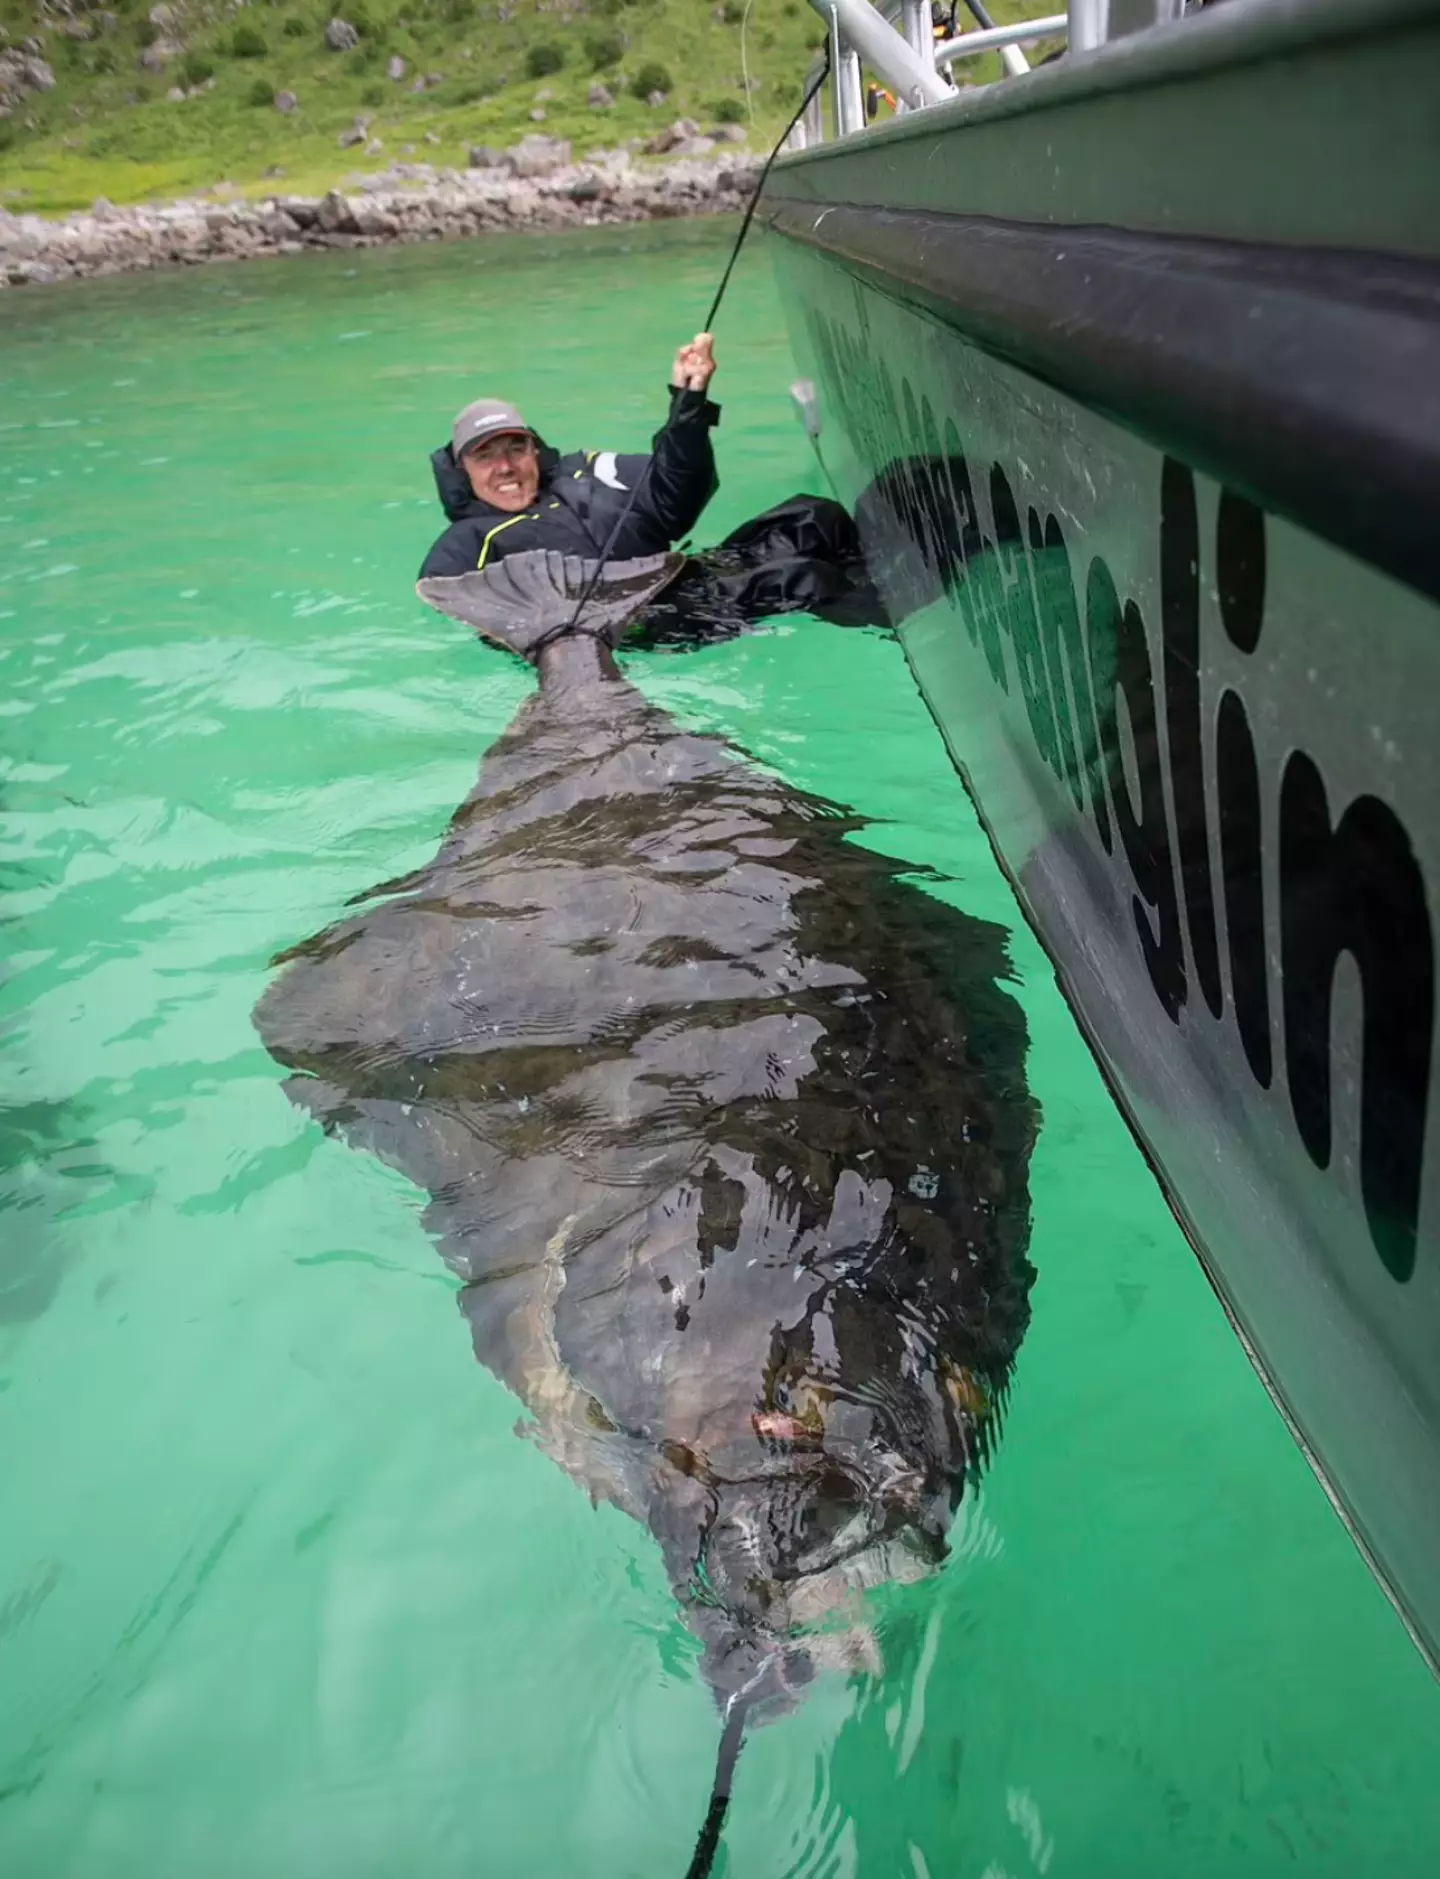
x=396 y=69
x=482 y=157
x=35 y=74
x=355 y=135
x=334 y=215
x=372 y=218
x=683 y=130
x=341 y=36
x=539 y=156
x=600 y=97
x=286 y=102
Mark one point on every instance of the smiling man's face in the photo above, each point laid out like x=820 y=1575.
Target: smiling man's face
x=505 y=471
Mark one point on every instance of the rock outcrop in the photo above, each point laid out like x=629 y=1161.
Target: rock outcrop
x=21 y=71
x=409 y=202
x=538 y=156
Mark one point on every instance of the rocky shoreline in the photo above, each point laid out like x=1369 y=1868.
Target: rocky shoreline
x=536 y=185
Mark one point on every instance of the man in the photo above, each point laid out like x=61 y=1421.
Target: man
x=506 y=492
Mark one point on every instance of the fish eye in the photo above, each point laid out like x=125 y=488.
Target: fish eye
x=825 y=1514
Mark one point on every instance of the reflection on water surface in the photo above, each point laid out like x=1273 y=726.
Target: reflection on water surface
x=279 y=1589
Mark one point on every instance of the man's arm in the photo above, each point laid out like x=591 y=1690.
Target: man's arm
x=682 y=474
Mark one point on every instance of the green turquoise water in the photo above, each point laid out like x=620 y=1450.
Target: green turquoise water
x=280 y=1592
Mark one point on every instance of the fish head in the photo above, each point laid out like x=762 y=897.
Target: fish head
x=803 y=1519
x=826 y=1492
x=785 y=1553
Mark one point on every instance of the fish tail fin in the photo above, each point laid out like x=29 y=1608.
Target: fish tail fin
x=523 y=601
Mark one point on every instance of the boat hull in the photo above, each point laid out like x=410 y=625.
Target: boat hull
x=1195 y=711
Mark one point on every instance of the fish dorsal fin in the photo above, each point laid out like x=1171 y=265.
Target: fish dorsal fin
x=524 y=600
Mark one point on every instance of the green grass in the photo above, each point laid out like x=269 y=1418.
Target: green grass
x=111 y=132
x=108 y=130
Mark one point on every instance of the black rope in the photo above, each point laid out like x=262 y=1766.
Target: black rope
x=982 y=15
x=757 y=191
x=709 y=326
x=730 y=1744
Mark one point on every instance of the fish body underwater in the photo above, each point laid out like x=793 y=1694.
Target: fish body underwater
x=724 y=1127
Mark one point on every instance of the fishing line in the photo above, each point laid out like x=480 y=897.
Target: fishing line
x=755 y=193
x=739 y=242
x=745 y=62
x=981 y=15
x=730 y=1743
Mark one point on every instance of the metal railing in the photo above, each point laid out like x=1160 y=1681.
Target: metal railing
x=995 y=38
x=895 y=41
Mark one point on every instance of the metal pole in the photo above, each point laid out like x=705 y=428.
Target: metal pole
x=889 y=56
x=915 y=24
x=972 y=44
x=849 y=94
x=1011 y=57
x=1088 y=23
x=813 y=122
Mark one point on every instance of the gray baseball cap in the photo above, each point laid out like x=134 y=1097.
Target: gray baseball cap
x=487 y=417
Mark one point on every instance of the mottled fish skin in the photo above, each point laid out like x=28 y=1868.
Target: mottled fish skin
x=724 y=1126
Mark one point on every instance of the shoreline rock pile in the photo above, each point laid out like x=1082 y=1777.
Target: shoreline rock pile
x=529 y=188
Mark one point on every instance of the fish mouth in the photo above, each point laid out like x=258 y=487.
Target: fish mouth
x=800 y=1515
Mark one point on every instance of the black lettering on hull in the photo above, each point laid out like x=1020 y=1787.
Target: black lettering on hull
x=1357 y=888
x=1180 y=628
x=1013 y=572
x=1240 y=569
x=1237 y=782
x=1058 y=606
x=1352 y=887
x=1120 y=668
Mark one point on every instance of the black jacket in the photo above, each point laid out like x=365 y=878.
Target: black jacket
x=582 y=496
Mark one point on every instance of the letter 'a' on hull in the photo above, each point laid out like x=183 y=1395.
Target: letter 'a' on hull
x=1141 y=426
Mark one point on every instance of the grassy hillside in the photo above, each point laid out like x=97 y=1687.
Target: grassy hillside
x=108 y=128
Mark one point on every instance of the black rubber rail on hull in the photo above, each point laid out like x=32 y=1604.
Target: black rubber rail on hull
x=1306 y=379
